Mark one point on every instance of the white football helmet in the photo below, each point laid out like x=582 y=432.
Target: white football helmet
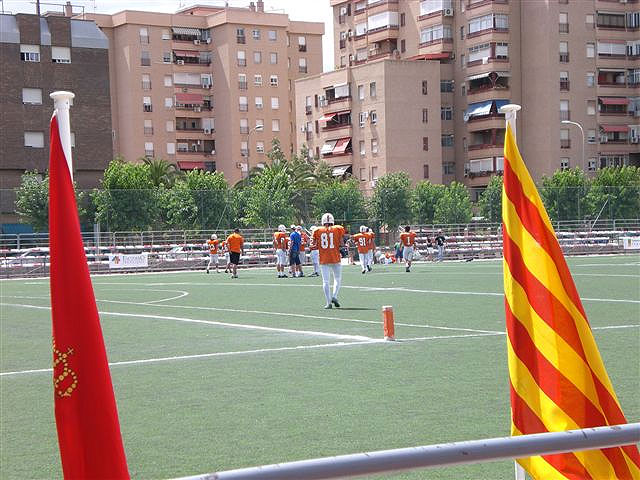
x=214 y=236
x=363 y=229
x=282 y=228
x=327 y=218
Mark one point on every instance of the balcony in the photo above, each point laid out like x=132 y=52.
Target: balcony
x=565 y=115
x=242 y=85
x=564 y=85
x=565 y=143
x=383 y=33
x=148 y=131
x=302 y=48
x=242 y=62
x=243 y=107
x=383 y=49
x=488 y=83
x=244 y=130
x=308 y=109
x=302 y=69
x=563 y=27
x=564 y=58
x=471 y=4
x=146 y=85
x=487 y=31
x=337 y=103
x=241 y=39
x=486 y=139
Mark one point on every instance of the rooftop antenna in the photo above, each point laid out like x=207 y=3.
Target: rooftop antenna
x=38 y=7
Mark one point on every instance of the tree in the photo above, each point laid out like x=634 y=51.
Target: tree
x=424 y=199
x=32 y=200
x=391 y=198
x=343 y=199
x=617 y=189
x=454 y=206
x=128 y=199
x=199 y=200
x=490 y=201
x=563 y=194
x=162 y=172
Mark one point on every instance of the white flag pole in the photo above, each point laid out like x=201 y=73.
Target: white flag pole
x=61 y=105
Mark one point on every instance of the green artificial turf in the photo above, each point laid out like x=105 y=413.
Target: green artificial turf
x=260 y=400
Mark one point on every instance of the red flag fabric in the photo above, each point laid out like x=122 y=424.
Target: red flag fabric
x=85 y=408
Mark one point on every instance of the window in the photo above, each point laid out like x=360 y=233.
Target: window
x=563 y=20
x=146 y=81
x=591 y=79
x=30 y=53
x=374 y=146
x=343 y=61
x=446 y=113
x=403 y=45
x=564 y=109
x=589 y=20
x=564 y=163
x=565 y=141
x=168 y=102
x=425 y=171
x=259 y=104
x=260 y=147
x=425 y=143
x=148 y=149
x=424 y=87
x=272 y=35
x=491 y=21
x=591 y=50
x=240 y=38
x=373 y=117
x=60 y=55
x=563 y=49
x=171 y=148
x=363 y=151
x=403 y=20
x=463 y=89
x=362 y=117
x=241 y=56
x=206 y=80
x=446 y=86
x=168 y=81
x=462 y=33
x=275 y=103
x=32 y=96
x=148 y=127
x=166 y=57
x=255 y=34
x=273 y=80
x=437 y=33
x=592 y=165
x=446 y=140
x=302 y=65
x=257 y=57
x=146 y=104
x=425 y=115
x=374 y=173
x=591 y=107
x=169 y=125
x=275 y=125
x=145 y=58
x=144 y=35
x=591 y=136
x=302 y=44
x=361 y=92
x=34 y=139
x=564 y=80
x=242 y=104
x=257 y=80
x=502 y=50
x=449 y=168
x=363 y=174
x=244 y=125
x=372 y=89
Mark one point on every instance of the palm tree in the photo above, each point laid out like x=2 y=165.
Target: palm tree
x=162 y=172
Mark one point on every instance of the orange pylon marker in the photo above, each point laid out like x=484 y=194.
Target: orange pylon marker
x=387 y=322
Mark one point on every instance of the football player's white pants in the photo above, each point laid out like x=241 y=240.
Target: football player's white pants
x=281 y=257
x=326 y=269
x=364 y=260
x=370 y=258
x=213 y=260
x=315 y=259
x=407 y=253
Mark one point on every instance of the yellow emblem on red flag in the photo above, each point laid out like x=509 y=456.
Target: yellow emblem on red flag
x=558 y=381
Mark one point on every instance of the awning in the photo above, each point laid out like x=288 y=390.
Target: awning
x=328 y=146
x=611 y=70
x=501 y=103
x=186 y=31
x=341 y=146
x=330 y=116
x=478 y=109
x=186 y=53
x=614 y=100
x=191 y=165
x=189 y=98
x=614 y=128
x=340 y=170
x=487 y=74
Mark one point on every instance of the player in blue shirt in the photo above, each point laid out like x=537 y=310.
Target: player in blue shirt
x=294 y=253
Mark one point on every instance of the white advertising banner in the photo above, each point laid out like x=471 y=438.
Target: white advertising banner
x=120 y=260
x=630 y=243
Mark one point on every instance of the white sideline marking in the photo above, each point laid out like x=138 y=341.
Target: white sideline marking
x=220 y=324
x=278 y=314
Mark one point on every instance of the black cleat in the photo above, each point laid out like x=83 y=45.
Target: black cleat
x=335 y=302
x=364 y=271
x=407 y=270
x=369 y=267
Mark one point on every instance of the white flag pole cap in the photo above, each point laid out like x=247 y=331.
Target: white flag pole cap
x=61 y=96
x=509 y=107
x=387 y=307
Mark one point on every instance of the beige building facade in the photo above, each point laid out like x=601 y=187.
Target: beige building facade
x=207 y=87
x=562 y=60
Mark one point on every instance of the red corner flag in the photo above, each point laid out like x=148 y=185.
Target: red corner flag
x=85 y=408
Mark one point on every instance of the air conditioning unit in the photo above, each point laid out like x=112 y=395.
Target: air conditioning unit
x=213 y=152
x=604 y=139
x=448 y=12
x=208 y=40
x=372 y=183
x=180 y=62
x=196 y=42
x=207 y=131
x=303 y=129
x=350 y=33
x=485 y=60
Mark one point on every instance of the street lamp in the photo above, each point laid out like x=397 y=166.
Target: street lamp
x=569 y=122
x=257 y=128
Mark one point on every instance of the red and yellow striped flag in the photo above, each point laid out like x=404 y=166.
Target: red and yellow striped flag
x=557 y=377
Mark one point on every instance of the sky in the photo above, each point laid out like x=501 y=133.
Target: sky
x=307 y=10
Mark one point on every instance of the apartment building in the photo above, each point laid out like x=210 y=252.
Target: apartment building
x=208 y=87
x=568 y=61
x=375 y=118
x=39 y=55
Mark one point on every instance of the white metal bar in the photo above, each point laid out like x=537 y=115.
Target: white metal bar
x=458 y=453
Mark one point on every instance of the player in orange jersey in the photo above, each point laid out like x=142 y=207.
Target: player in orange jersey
x=213 y=252
x=329 y=239
x=235 y=243
x=371 y=246
x=360 y=240
x=304 y=245
x=408 y=239
x=280 y=243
